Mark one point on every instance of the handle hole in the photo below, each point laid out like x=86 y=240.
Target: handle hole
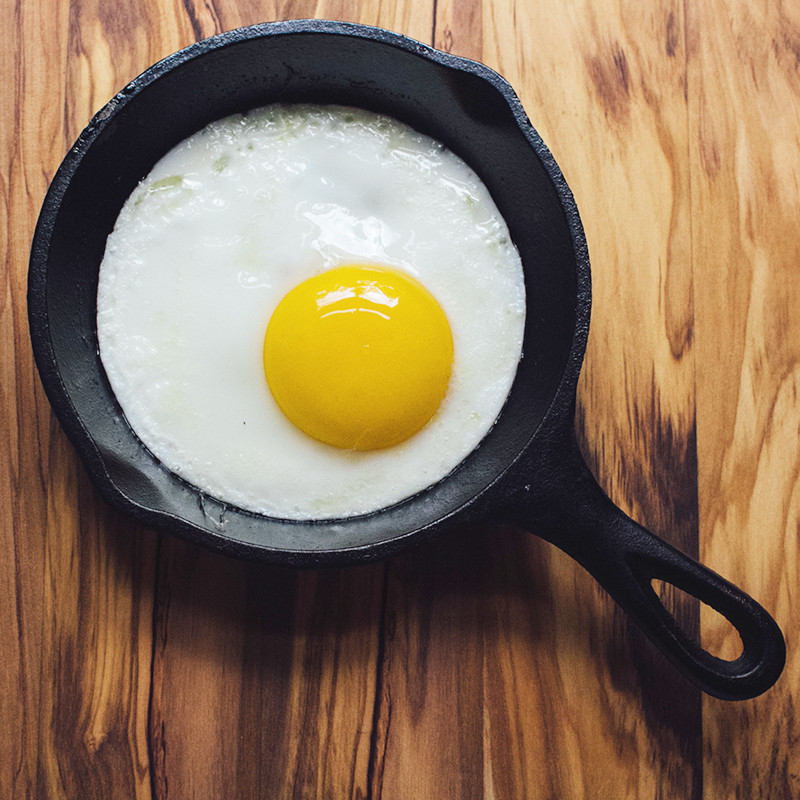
x=719 y=637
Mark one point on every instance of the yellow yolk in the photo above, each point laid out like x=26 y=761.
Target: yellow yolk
x=359 y=357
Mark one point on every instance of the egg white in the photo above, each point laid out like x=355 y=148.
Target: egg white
x=240 y=213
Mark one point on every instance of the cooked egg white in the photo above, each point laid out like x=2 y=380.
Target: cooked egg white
x=236 y=217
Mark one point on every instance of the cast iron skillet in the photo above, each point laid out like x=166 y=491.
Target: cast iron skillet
x=528 y=470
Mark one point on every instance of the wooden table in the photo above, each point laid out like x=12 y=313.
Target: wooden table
x=486 y=664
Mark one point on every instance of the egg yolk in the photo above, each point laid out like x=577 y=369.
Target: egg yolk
x=359 y=357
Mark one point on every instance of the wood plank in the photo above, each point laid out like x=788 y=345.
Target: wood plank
x=96 y=651
x=459 y=28
x=264 y=678
x=83 y=577
x=25 y=422
x=61 y=703
x=745 y=131
x=430 y=718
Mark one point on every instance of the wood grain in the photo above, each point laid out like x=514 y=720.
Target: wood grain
x=281 y=706
x=745 y=125
x=486 y=664
x=33 y=449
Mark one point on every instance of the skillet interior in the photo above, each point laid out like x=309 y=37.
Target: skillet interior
x=464 y=105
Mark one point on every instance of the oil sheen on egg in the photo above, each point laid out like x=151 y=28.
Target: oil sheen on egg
x=232 y=220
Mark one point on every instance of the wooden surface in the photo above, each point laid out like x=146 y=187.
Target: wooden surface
x=486 y=665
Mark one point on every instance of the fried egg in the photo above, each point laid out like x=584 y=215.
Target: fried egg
x=310 y=312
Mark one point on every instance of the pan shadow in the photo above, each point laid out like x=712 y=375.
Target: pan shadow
x=250 y=649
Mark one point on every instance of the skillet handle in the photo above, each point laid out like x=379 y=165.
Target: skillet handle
x=575 y=514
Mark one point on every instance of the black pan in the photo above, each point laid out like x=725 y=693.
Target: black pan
x=528 y=470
